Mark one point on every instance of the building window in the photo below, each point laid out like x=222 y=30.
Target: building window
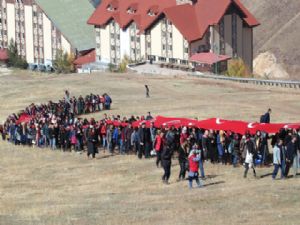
x=98 y=45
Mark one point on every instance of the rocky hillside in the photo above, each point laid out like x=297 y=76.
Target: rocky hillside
x=278 y=34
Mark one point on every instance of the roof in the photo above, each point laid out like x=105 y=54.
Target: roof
x=191 y=20
x=120 y=12
x=69 y=16
x=90 y=57
x=202 y=15
x=208 y=58
x=3 y=54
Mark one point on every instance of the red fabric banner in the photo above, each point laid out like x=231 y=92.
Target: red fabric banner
x=24 y=118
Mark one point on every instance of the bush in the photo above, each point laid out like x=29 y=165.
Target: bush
x=237 y=68
x=123 y=66
x=63 y=62
x=14 y=59
x=111 y=67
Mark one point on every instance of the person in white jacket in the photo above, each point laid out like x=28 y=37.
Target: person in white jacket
x=249 y=162
x=277 y=159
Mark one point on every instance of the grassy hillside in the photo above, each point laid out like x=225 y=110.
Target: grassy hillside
x=40 y=186
x=279 y=31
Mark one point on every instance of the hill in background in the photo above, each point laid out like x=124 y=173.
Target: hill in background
x=277 y=36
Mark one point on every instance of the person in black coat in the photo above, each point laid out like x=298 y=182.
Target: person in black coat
x=166 y=159
x=266 y=118
x=182 y=158
x=92 y=143
x=291 y=150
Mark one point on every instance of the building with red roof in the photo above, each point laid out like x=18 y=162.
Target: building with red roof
x=172 y=30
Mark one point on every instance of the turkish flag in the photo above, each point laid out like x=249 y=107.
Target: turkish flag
x=24 y=118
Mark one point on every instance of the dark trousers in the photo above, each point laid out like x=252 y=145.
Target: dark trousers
x=194 y=176
x=287 y=167
x=276 y=168
x=182 y=171
x=93 y=154
x=147 y=150
x=247 y=168
x=127 y=146
x=139 y=150
x=158 y=158
x=167 y=169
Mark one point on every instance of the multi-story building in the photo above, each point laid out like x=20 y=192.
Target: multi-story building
x=172 y=31
x=40 y=28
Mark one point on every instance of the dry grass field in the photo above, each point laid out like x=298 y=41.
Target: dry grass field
x=39 y=186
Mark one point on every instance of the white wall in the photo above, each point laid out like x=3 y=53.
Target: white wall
x=156 y=40
x=177 y=43
x=124 y=42
x=105 y=44
x=143 y=46
x=47 y=39
x=11 y=23
x=29 y=34
x=65 y=45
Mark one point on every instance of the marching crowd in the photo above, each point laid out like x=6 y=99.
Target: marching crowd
x=59 y=126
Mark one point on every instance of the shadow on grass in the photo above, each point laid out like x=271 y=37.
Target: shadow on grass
x=211 y=176
x=266 y=175
x=214 y=183
x=105 y=156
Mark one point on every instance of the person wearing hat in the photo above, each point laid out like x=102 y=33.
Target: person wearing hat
x=193 y=169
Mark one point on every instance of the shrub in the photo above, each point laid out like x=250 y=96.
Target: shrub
x=63 y=62
x=237 y=68
x=123 y=65
x=111 y=67
x=14 y=59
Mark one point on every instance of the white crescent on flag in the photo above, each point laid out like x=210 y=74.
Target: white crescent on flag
x=250 y=125
x=218 y=121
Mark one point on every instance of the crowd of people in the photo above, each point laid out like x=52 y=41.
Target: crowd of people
x=59 y=126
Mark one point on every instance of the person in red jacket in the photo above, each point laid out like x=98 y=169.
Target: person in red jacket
x=103 y=135
x=158 y=146
x=193 y=169
x=183 y=135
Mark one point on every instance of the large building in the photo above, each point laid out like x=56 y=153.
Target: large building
x=172 y=31
x=42 y=27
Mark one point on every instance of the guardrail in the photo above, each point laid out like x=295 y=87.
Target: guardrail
x=276 y=83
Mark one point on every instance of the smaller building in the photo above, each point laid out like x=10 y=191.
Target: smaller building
x=209 y=62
